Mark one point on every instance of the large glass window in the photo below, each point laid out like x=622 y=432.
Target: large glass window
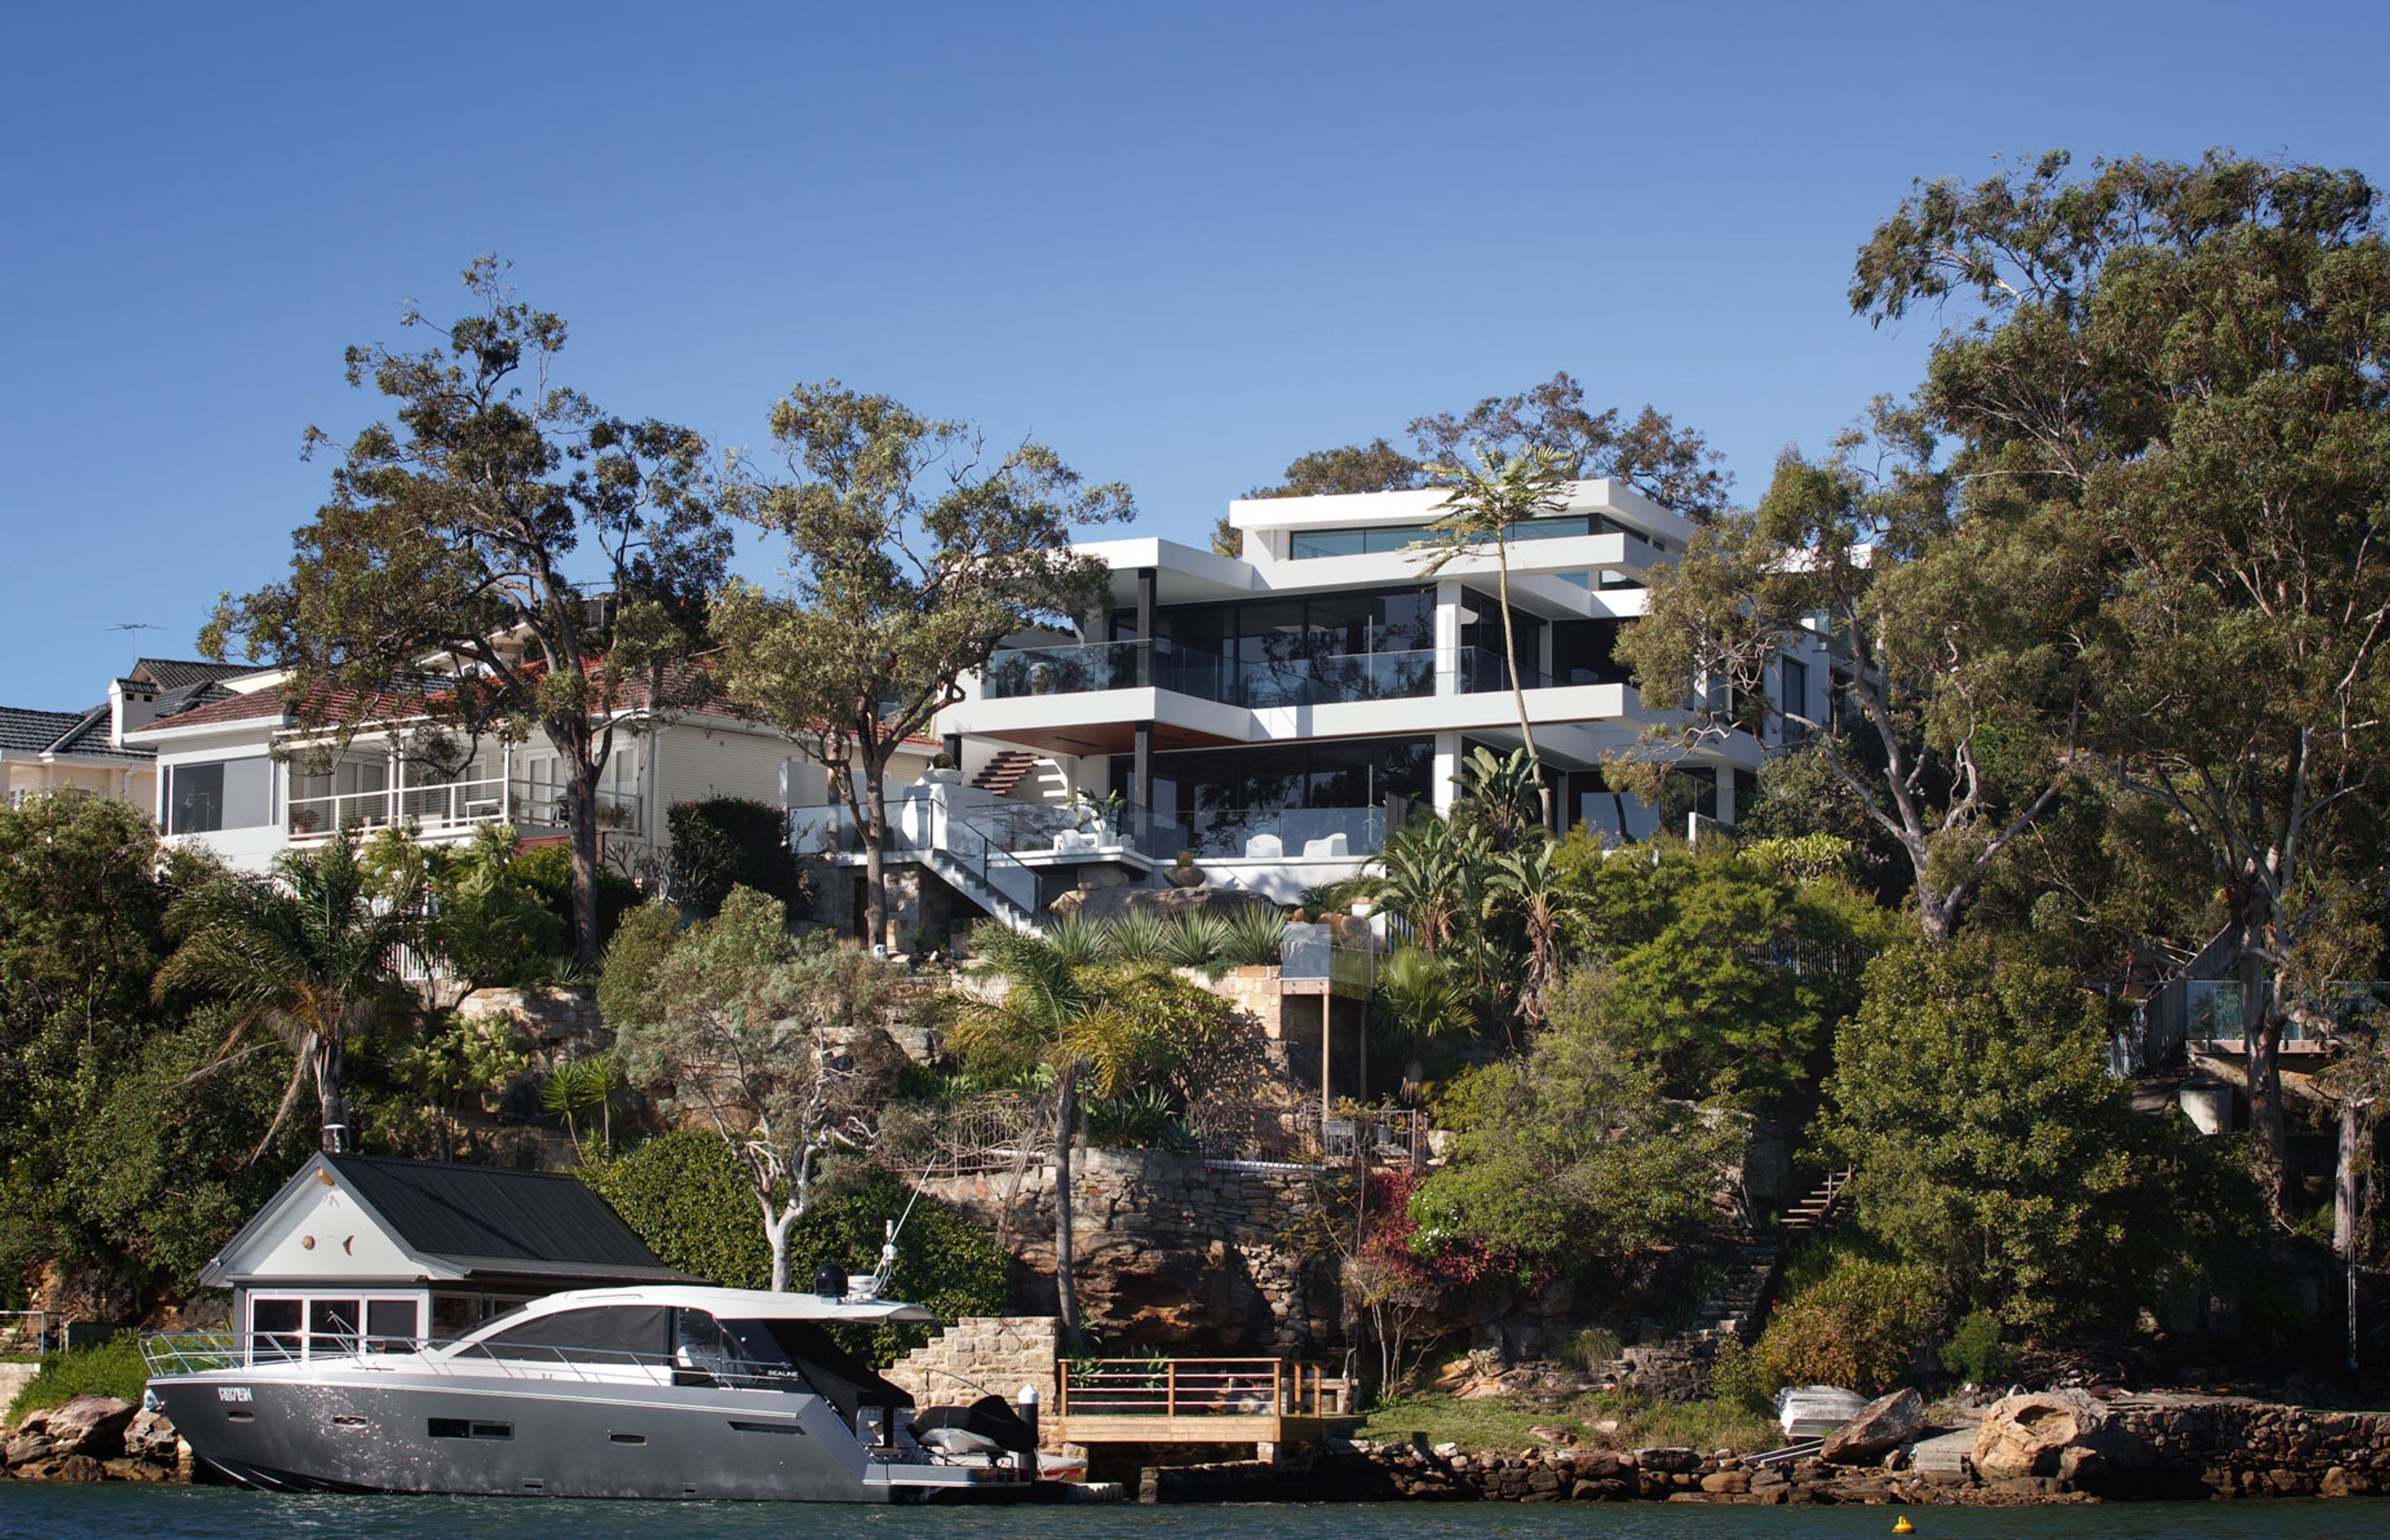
x=612 y=1333
x=220 y=794
x=1586 y=652
x=1304 y=545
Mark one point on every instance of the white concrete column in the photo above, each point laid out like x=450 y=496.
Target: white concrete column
x=1447 y=764
x=1448 y=639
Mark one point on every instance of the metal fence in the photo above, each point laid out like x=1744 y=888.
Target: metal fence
x=1175 y=1387
x=1383 y=1138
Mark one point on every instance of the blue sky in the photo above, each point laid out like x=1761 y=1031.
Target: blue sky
x=1181 y=244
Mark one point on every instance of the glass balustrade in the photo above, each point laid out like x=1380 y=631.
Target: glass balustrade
x=1312 y=680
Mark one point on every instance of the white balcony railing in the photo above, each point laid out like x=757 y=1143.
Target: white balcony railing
x=453 y=806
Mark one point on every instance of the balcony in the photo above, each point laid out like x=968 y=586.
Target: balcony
x=1317 y=679
x=453 y=807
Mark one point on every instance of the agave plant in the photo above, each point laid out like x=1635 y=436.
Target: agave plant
x=1079 y=941
x=1197 y=940
x=1141 y=937
x=1256 y=934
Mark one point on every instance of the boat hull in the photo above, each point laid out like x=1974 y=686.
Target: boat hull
x=393 y=1431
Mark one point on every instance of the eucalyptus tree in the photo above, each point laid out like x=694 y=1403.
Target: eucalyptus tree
x=1954 y=718
x=308 y=953
x=757 y=1033
x=507 y=558
x=913 y=552
x=2178 y=373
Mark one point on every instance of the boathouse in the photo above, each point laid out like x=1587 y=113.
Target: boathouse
x=385 y=1253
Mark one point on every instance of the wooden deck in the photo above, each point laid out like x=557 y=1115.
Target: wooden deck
x=1267 y=1402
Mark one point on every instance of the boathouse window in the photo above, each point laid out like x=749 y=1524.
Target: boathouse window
x=392 y=1326
x=617 y=1333
x=304 y=1326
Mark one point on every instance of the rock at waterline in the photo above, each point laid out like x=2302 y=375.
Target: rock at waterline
x=1882 y=1426
x=2051 y=1433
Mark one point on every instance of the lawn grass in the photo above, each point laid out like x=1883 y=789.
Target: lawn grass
x=1497 y=1422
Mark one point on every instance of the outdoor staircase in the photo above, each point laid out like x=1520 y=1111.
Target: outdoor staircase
x=1736 y=1307
x=1004 y=774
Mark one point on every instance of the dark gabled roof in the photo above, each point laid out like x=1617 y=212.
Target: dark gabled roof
x=89 y=738
x=492 y=1221
x=173 y=673
x=27 y=731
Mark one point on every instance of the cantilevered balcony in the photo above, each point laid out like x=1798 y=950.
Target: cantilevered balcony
x=1315 y=680
x=452 y=808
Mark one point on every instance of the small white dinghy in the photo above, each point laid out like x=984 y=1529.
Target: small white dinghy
x=1814 y=1411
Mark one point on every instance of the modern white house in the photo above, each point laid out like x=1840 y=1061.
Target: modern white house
x=1274 y=715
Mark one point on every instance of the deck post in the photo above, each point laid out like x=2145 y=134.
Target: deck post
x=1170 y=1391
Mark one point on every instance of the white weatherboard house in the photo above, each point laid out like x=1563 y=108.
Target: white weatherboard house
x=356 y=1250
x=1275 y=715
x=233 y=772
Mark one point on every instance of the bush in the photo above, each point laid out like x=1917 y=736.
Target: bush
x=1859 y=1326
x=548 y=870
x=114 y=1367
x=1735 y=1380
x=683 y=1194
x=1975 y=1353
x=724 y=842
x=1593 y=1350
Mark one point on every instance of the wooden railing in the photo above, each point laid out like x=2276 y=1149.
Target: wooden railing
x=1190 y=1388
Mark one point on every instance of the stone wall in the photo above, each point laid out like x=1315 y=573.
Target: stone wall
x=1172 y=1251
x=555 y=1021
x=984 y=1355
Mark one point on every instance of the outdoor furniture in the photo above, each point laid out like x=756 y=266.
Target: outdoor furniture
x=1265 y=847
x=1335 y=847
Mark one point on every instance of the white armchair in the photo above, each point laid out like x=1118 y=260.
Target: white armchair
x=1335 y=847
x=1265 y=847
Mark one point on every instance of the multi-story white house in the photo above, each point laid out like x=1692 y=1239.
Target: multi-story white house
x=1275 y=715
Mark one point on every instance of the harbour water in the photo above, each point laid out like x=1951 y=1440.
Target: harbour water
x=46 y=1511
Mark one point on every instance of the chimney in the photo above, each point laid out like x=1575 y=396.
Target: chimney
x=131 y=705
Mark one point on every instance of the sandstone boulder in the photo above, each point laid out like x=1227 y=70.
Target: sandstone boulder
x=90 y=1427
x=150 y=1436
x=2032 y=1435
x=1882 y=1426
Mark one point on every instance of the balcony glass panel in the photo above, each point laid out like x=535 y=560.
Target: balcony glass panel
x=1290 y=679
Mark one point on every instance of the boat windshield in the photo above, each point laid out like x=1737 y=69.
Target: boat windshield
x=808 y=1356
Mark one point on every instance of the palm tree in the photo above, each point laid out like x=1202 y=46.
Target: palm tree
x=1066 y=1005
x=1484 y=504
x=1525 y=885
x=309 y=954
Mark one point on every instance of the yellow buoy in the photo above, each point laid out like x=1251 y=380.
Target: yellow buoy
x=1902 y=1526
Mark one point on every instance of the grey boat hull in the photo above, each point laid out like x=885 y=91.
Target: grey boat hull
x=393 y=1432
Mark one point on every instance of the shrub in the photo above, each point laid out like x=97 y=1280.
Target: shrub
x=1196 y=940
x=1975 y=1353
x=724 y=842
x=1593 y=1350
x=1859 y=1326
x=114 y=1367
x=1255 y=936
x=683 y=1194
x=1735 y=1378
x=548 y=870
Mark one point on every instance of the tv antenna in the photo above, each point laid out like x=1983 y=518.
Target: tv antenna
x=137 y=625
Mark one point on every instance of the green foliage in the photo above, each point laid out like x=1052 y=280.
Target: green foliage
x=1255 y=936
x=491 y=925
x=1993 y=1149
x=113 y=1368
x=1717 y=968
x=911 y=558
x=1736 y=1380
x=1568 y=1157
x=584 y=1092
x=770 y=1038
x=548 y=870
x=1975 y=1353
x=450 y=530
x=689 y=1201
x=305 y=955
x=1143 y=937
x=685 y=1195
x=1862 y=1325
x=1593 y=1350
x=1198 y=939
x=639 y=945
x=722 y=842
x=1374 y=467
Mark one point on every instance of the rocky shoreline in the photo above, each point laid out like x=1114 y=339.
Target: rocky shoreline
x=2059 y=1447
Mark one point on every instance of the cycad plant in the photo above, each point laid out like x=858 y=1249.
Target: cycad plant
x=309 y=954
